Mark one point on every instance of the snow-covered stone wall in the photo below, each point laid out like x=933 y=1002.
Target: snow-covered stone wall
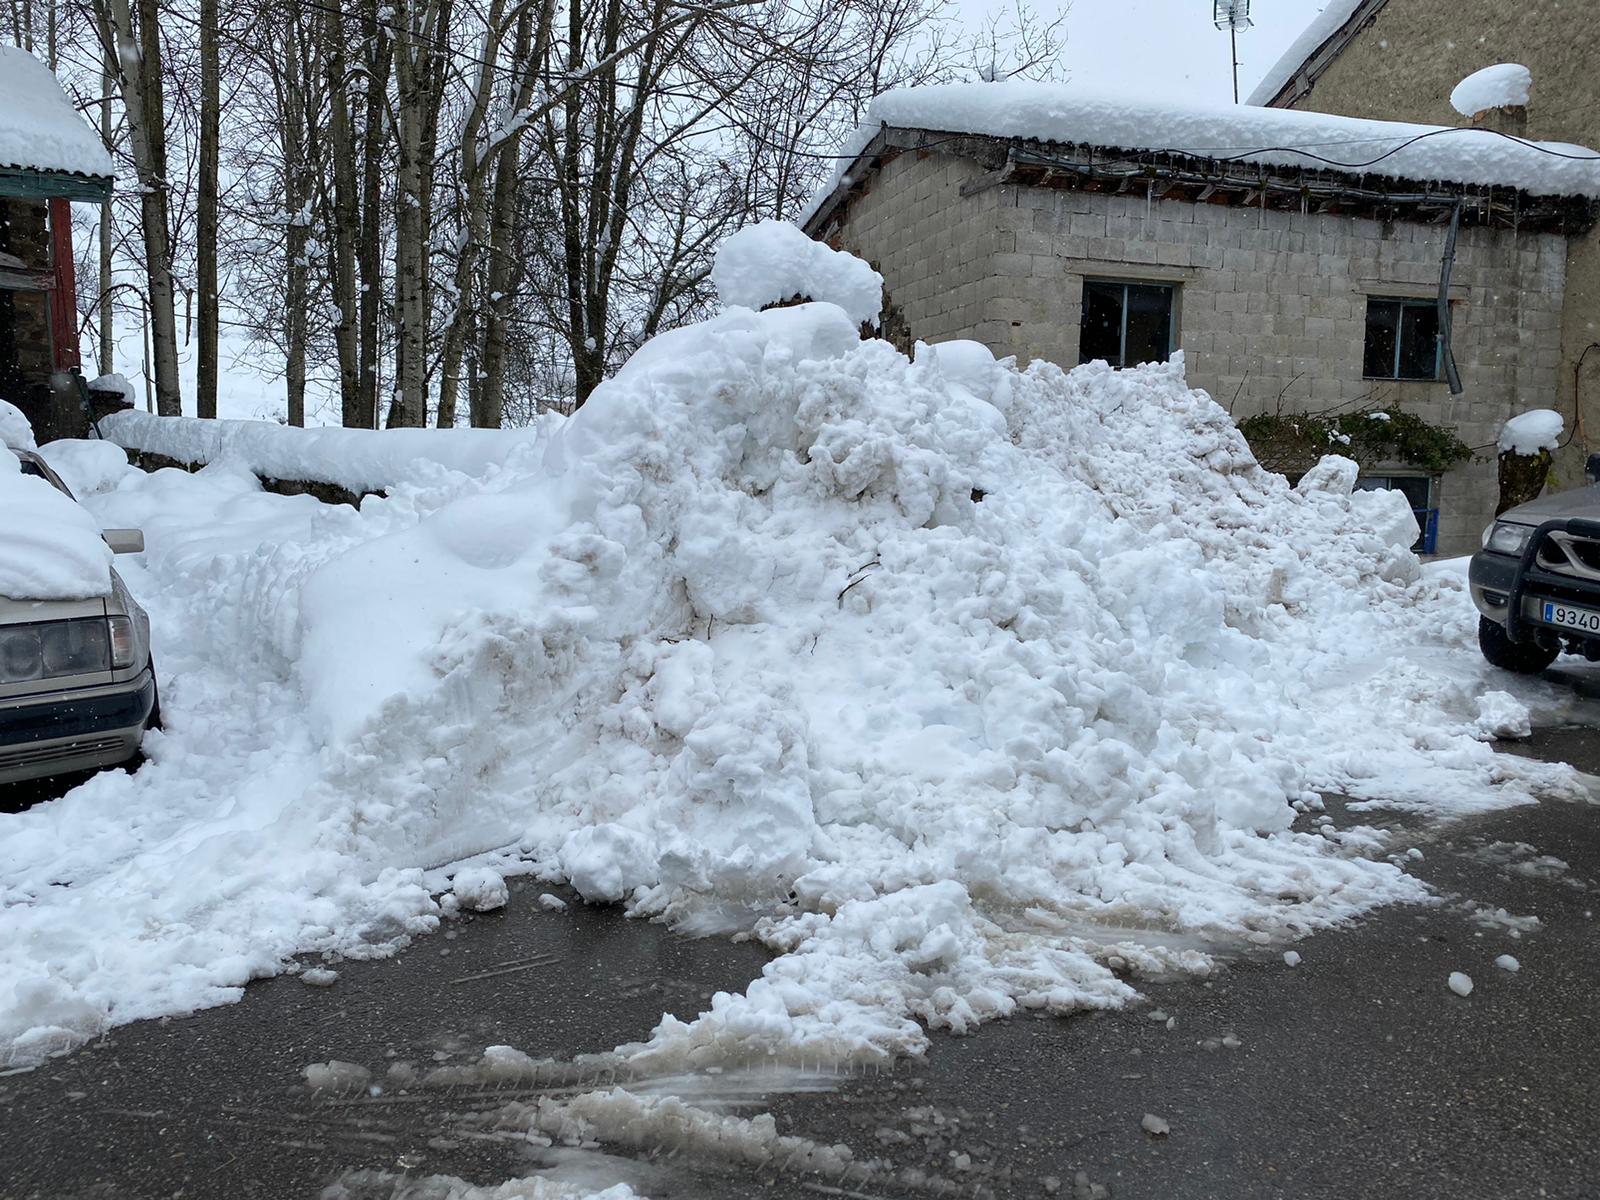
x=1269 y=304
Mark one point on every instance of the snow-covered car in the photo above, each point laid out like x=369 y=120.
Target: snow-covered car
x=1536 y=582
x=77 y=685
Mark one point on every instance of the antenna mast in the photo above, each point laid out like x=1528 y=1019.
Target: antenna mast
x=1232 y=15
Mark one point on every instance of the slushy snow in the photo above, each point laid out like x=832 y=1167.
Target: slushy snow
x=772 y=261
x=1504 y=85
x=948 y=681
x=1532 y=431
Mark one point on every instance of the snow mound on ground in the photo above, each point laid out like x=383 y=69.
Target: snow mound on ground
x=87 y=465
x=1504 y=85
x=772 y=261
x=50 y=548
x=964 y=688
x=1530 y=432
x=15 y=429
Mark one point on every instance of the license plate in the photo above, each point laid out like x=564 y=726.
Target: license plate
x=1564 y=615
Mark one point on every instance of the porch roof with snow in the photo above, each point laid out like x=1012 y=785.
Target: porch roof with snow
x=46 y=148
x=1058 y=135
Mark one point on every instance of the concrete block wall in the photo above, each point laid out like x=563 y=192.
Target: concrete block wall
x=1271 y=306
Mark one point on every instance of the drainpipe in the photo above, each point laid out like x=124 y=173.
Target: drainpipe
x=1445 y=267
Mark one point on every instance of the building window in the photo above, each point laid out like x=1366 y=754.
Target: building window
x=1402 y=340
x=1126 y=323
x=1418 y=490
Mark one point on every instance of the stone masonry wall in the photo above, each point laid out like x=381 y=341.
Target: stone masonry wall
x=1404 y=64
x=1271 y=307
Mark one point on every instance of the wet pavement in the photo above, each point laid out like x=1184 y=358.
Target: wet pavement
x=1355 y=1073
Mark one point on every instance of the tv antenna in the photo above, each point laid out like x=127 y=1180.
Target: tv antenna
x=1232 y=15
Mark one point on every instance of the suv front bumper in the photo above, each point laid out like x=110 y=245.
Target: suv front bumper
x=1512 y=591
x=80 y=730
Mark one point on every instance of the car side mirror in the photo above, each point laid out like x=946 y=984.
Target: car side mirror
x=1591 y=469
x=124 y=541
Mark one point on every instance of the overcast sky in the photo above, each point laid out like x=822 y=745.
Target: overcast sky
x=1168 y=49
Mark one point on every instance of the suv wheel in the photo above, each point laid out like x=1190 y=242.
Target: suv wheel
x=1525 y=658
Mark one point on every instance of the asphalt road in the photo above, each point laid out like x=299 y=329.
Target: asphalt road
x=1357 y=1073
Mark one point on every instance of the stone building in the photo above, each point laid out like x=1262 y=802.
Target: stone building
x=1402 y=59
x=48 y=158
x=1047 y=224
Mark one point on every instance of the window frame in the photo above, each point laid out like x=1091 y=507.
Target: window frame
x=1171 y=287
x=1402 y=303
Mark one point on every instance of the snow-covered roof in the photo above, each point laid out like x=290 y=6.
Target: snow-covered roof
x=1069 y=115
x=1323 y=26
x=40 y=130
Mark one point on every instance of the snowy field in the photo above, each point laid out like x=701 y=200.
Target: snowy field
x=964 y=688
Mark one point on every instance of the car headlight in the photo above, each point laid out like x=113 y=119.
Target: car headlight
x=52 y=649
x=1506 y=537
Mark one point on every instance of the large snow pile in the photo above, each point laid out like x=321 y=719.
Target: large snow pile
x=50 y=548
x=39 y=128
x=1504 y=85
x=1068 y=114
x=1532 y=431
x=360 y=460
x=965 y=688
x=772 y=261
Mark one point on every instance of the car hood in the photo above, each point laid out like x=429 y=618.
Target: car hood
x=1577 y=502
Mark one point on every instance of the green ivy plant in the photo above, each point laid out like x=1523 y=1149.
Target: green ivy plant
x=1374 y=434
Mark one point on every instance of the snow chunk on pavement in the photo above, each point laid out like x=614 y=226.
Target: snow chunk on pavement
x=1502 y=715
x=1155 y=1126
x=337 y=1076
x=551 y=902
x=606 y=862
x=1508 y=962
x=1504 y=85
x=1460 y=983
x=480 y=889
x=319 y=977
x=1530 y=432
x=50 y=548
x=771 y=262
x=1291 y=958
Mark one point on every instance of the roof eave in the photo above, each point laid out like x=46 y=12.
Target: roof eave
x=1574 y=213
x=37 y=183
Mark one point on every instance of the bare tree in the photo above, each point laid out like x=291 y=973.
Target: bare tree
x=138 y=55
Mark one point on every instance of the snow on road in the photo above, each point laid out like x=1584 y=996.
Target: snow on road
x=942 y=677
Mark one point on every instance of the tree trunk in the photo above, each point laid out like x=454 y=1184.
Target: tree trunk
x=344 y=224
x=108 y=85
x=140 y=61
x=369 y=258
x=206 y=224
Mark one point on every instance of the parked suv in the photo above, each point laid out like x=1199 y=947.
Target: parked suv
x=1536 y=581
x=77 y=687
